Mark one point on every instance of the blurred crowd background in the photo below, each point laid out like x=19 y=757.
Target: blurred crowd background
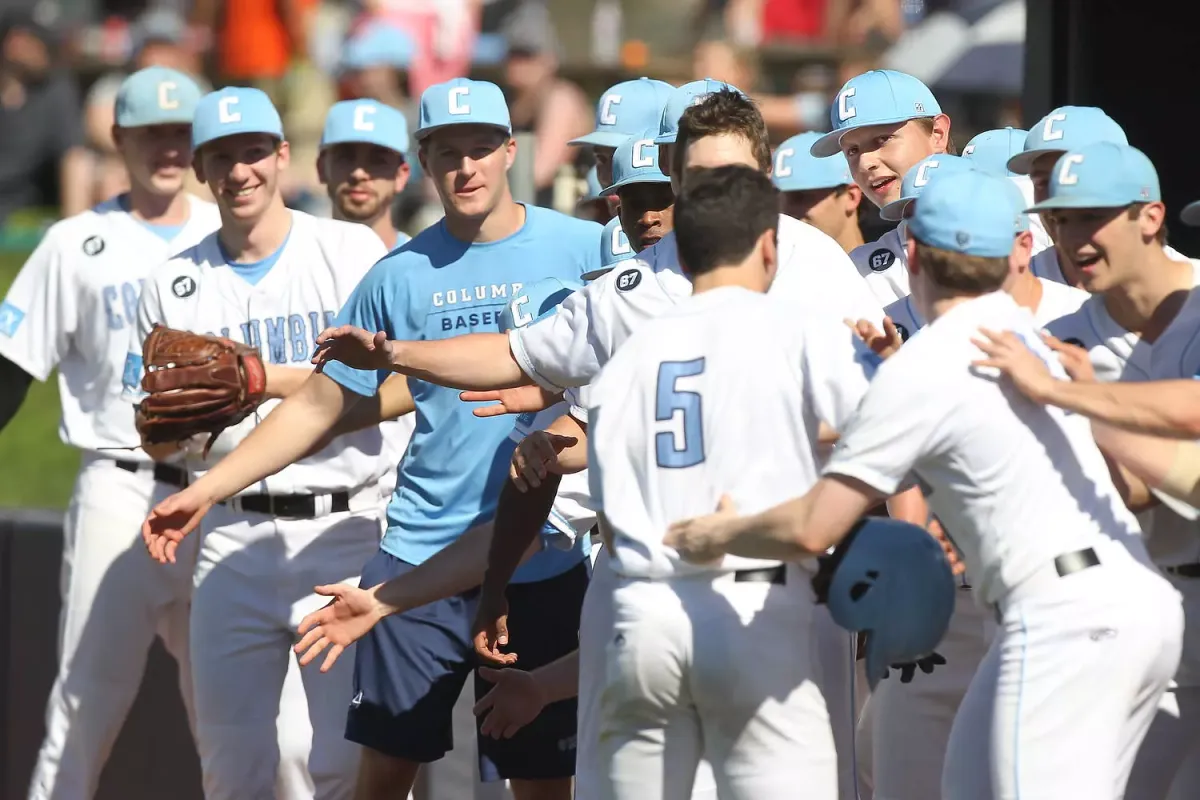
x=61 y=62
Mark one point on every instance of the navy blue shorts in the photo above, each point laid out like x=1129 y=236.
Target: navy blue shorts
x=411 y=668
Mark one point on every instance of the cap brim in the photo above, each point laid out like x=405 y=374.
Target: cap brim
x=1079 y=201
x=181 y=119
x=666 y=138
x=894 y=211
x=601 y=139
x=1022 y=162
x=596 y=273
x=421 y=133
x=830 y=143
x=611 y=190
x=793 y=186
x=364 y=140
x=1190 y=215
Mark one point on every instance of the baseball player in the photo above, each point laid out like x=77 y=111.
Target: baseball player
x=410 y=669
x=1027 y=497
x=665 y=418
x=363 y=165
x=72 y=307
x=591 y=205
x=819 y=191
x=615 y=247
x=269 y=277
x=991 y=152
x=884 y=122
x=1105 y=209
x=625 y=109
x=643 y=190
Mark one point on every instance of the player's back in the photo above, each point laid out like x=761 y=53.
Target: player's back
x=709 y=399
x=1017 y=483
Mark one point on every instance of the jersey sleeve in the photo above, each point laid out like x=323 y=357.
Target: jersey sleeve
x=837 y=369
x=891 y=430
x=562 y=350
x=40 y=313
x=378 y=303
x=150 y=312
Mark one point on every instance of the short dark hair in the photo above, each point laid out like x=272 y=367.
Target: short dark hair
x=720 y=214
x=728 y=112
x=961 y=273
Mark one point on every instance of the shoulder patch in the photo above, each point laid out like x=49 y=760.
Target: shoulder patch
x=93 y=246
x=10 y=318
x=881 y=259
x=629 y=279
x=183 y=286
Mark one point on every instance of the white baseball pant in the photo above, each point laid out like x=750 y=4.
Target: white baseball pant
x=703 y=666
x=1172 y=746
x=115 y=600
x=595 y=631
x=253 y=585
x=911 y=722
x=1067 y=691
x=834 y=649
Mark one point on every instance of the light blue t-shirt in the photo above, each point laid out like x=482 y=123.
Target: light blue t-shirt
x=437 y=287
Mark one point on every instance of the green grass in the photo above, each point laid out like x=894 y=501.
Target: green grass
x=36 y=469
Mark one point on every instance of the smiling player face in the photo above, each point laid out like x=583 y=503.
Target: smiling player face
x=362 y=179
x=879 y=155
x=469 y=166
x=157 y=157
x=1097 y=247
x=242 y=172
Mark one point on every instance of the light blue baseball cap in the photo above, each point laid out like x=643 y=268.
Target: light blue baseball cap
x=626 y=109
x=378 y=44
x=365 y=121
x=1066 y=128
x=1016 y=199
x=535 y=300
x=990 y=151
x=969 y=212
x=1101 y=175
x=878 y=97
x=680 y=99
x=234 y=110
x=462 y=101
x=795 y=169
x=156 y=96
x=918 y=177
x=614 y=244
x=636 y=161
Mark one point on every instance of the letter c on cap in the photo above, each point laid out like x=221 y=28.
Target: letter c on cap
x=968 y=150
x=923 y=173
x=845 y=110
x=607 y=117
x=225 y=112
x=640 y=159
x=167 y=101
x=1065 y=176
x=458 y=96
x=1049 y=132
x=620 y=242
x=362 y=118
x=782 y=168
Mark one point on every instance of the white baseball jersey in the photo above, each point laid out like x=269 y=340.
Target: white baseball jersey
x=883 y=264
x=683 y=412
x=1045 y=264
x=573 y=514
x=1017 y=484
x=570 y=347
x=74 y=305
x=280 y=313
x=1058 y=300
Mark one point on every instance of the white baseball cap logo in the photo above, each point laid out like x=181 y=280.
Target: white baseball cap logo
x=968 y=150
x=225 y=111
x=640 y=159
x=845 y=110
x=607 y=117
x=782 y=168
x=362 y=118
x=1051 y=133
x=620 y=242
x=457 y=100
x=923 y=176
x=166 y=100
x=1065 y=175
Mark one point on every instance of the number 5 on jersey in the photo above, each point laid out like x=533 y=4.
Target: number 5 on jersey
x=682 y=445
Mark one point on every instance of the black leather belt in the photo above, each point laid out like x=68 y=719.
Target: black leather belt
x=1183 y=570
x=777 y=575
x=293 y=506
x=163 y=473
x=1064 y=565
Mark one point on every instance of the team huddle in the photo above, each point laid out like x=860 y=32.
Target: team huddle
x=632 y=479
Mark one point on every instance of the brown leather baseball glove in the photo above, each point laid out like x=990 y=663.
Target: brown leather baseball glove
x=196 y=384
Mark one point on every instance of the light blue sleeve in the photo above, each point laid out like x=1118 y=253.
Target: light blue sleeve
x=378 y=303
x=587 y=245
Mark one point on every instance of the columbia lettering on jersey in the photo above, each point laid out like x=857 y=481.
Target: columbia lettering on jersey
x=74 y=306
x=569 y=348
x=277 y=306
x=430 y=289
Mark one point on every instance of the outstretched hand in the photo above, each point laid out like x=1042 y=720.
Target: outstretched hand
x=536 y=456
x=882 y=344
x=490 y=630
x=519 y=400
x=340 y=623
x=354 y=347
x=512 y=703
x=1007 y=352
x=170 y=521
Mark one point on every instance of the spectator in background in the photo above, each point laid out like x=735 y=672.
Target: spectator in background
x=42 y=160
x=553 y=109
x=443 y=32
x=254 y=42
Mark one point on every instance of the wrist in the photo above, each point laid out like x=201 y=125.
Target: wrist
x=380 y=606
x=396 y=355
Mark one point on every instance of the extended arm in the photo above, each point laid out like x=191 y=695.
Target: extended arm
x=1169 y=465
x=1159 y=408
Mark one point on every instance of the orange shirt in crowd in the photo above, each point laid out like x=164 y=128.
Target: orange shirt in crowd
x=253 y=41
